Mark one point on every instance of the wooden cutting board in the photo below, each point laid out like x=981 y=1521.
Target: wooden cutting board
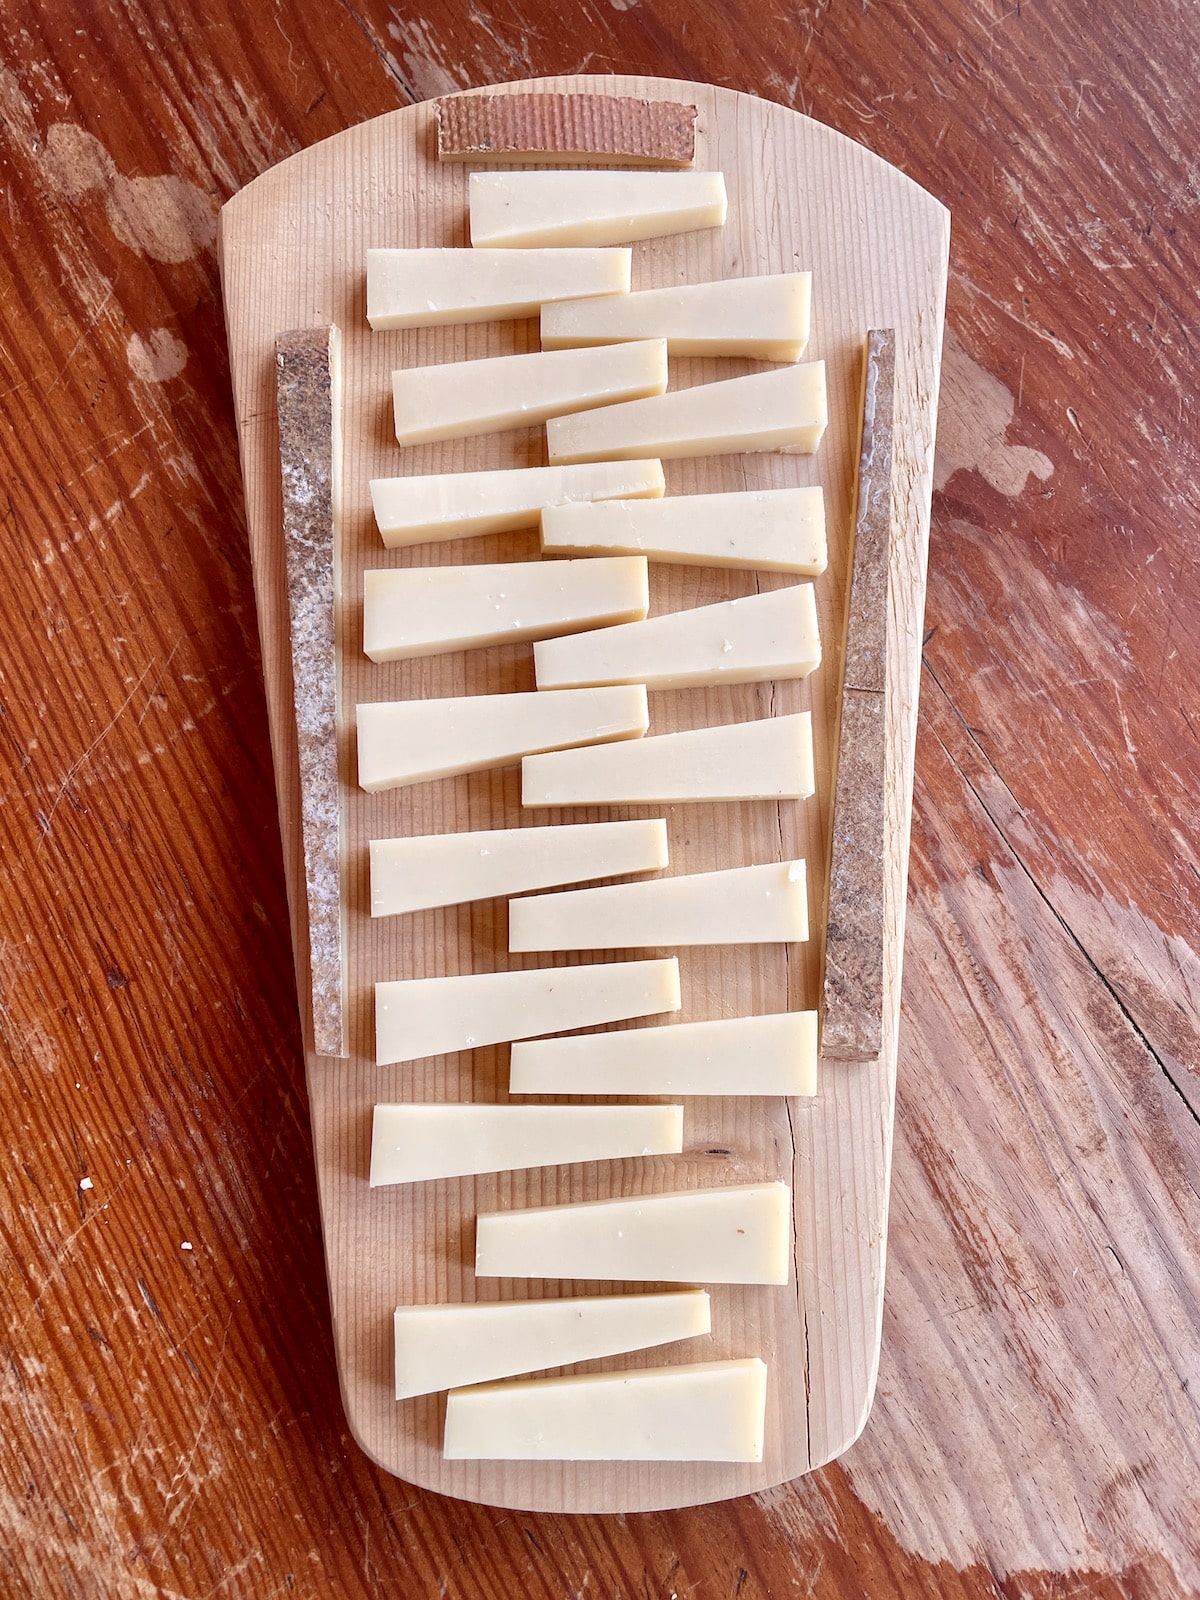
x=292 y=255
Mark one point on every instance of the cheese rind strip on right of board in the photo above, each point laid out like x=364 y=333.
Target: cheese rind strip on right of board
x=529 y=209
x=771 y=530
x=709 y=1411
x=417 y=1017
x=450 y=869
x=769 y=635
x=784 y=410
x=764 y=1055
x=411 y=741
x=765 y=318
x=428 y=287
x=766 y=904
x=441 y=1347
x=738 y=1234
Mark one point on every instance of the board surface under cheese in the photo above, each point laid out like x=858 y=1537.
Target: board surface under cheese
x=409 y=741
x=424 y=288
x=780 y=410
x=417 y=1017
x=772 y=530
x=739 y=905
x=738 y=1234
x=766 y=318
x=447 y=1346
x=424 y=611
x=710 y=1411
x=769 y=635
x=530 y=209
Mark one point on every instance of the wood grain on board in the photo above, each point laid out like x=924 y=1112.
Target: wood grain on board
x=173 y=1423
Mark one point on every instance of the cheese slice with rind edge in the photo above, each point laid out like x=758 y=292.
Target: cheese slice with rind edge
x=533 y=209
x=427 y=287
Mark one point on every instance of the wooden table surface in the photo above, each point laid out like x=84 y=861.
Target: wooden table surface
x=171 y=1420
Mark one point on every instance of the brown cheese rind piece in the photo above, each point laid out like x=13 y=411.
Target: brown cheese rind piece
x=613 y=129
x=308 y=379
x=852 y=999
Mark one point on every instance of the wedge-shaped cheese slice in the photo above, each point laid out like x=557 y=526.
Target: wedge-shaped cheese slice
x=471 y=397
x=774 y=530
x=765 y=904
x=409 y=741
x=452 y=505
x=421 y=288
x=425 y=611
x=765 y=318
x=446 y=1346
x=739 y=1234
x=771 y=635
x=735 y=1055
x=781 y=410
x=710 y=1411
x=412 y=1143
x=530 y=209
x=429 y=1016
x=770 y=759
x=449 y=868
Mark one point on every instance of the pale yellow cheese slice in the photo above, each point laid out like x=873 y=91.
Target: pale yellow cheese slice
x=530 y=209
x=417 y=1017
x=421 y=288
x=473 y=397
x=766 y=318
x=766 y=904
x=410 y=741
x=773 y=530
x=709 y=1411
x=769 y=759
x=780 y=410
x=452 y=505
x=767 y=1055
x=770 y=635
x=738 y=1234
x=446 y=1346
x=450 y=868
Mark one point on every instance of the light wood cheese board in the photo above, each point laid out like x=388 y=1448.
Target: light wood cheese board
x=293 y=247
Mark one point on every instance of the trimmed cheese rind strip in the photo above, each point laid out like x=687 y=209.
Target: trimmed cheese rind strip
x=530 y=209
x=618 y=129
x=448 y=1346
x=738 y=1234
x=766 y=318
x=451 y=868
x=410 y=741
x=426 y=287
x=769 y=759
x=424 y=611
x=766 y=904
x=767 y=1055
x=472 y=397
x=416 y=1143
x=451 y=505
x=708 y=1411
x=769 y=635
x=784 y=410
x=772 y=530
x=418 y=1017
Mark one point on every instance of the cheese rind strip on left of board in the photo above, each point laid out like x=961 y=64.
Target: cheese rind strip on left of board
x=472 y=397
x=416 y=1143
x=427 y=287
x=740 y=905
x=530 y=209
x=411 y=741
x=766 y=318
x=771 y=530
x=709 y=1411
x=448 y=1346
x=768 y=635
x=418 y=1017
